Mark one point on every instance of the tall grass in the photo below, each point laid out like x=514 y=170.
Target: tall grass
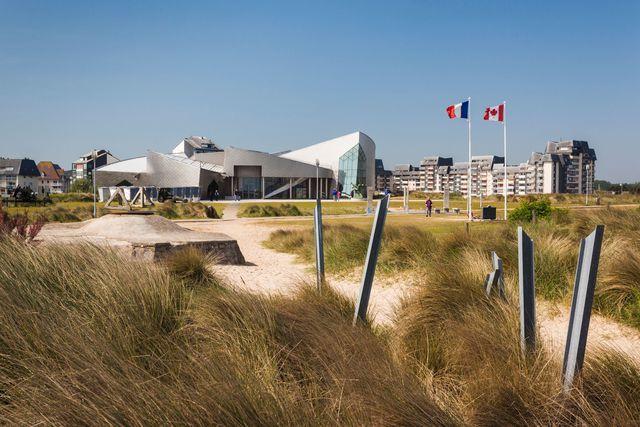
x=468 y=346
x=90 y=338
x=417 y=252
x=345 y=247
x=269 y=210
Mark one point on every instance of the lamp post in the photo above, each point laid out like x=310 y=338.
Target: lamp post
x=586 y=192
x=317 y=179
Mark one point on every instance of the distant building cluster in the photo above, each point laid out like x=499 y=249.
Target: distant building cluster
x=42 y=178
x=564 y=167
x=199 y=168
x=47 y=177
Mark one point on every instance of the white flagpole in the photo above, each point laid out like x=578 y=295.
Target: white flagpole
x=469 y=170
x=504 y=128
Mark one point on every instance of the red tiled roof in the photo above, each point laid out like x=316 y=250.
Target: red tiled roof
x=50 y=170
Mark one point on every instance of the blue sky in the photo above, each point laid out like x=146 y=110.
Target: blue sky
x=278 y=75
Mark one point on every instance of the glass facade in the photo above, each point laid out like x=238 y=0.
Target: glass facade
x=250 y=187
x=352 y=172
x=274 y=184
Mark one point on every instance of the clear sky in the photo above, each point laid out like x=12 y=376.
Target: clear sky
x=131 y=76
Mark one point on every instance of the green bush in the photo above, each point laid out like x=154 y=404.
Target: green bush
x=81 y=186
x=524 y=211
x=173 y=210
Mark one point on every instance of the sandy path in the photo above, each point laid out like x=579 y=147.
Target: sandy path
x=272 y=272
x=268 y=271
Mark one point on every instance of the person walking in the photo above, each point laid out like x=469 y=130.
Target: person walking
x=428 y=203
x=216 y=195
x=334 y=194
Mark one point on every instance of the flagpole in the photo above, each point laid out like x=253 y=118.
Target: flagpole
x=504 y=128
x=469 y=170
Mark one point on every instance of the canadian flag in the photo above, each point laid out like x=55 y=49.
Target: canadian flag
x=494 y=114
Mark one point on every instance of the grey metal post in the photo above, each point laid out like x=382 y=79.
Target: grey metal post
x=317 y=222
x=497 y=266
x=371 y=260
x=495 y=280
x=93 y=178
x=526 y=284
x=583 y=288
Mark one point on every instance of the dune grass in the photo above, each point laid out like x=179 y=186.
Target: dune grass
x=86 y=341
x=418 y=252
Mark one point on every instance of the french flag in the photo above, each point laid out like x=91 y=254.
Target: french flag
x=459 y=111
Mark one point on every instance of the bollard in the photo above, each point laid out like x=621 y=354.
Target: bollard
x=583 y=288
x=371 y=260
x=526 y=285
x=317 y=224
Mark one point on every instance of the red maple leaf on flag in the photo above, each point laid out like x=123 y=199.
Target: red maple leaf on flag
x=494 y=112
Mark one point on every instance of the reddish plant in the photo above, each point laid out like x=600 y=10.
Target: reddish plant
x=19 y=225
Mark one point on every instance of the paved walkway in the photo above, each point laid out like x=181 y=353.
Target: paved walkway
x=231 y=210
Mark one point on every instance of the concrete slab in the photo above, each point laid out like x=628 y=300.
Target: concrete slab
x=142 y=236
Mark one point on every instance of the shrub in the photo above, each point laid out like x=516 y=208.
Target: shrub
x=192 y=266
x=19 y=225
x=524 y=211
x=81 y=186
x=172 y=210
x=265 y=210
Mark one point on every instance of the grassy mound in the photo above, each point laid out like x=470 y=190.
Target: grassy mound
x=173 y=210
x=265 y=210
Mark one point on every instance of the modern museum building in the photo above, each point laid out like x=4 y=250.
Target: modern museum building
x=198 y=168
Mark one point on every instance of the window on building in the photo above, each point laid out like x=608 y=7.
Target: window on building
x=352 y=172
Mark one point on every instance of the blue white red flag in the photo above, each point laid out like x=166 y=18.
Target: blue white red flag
x=459 y=111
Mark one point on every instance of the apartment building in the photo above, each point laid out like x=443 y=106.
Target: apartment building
x=564 y=167
x=580 y=164
x=51 y=178
x=384 y=178
x=83 y=167
x=430 y=167
x=408 y=176
x=18 y=173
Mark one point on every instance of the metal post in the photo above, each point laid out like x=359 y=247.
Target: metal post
x=506 y=184
x=371 y=260
x=93 y=177
x=317 y=180
x=526 y=284
x=317 y=222
x=470 y=214
x=495 y=280
x=583 y=288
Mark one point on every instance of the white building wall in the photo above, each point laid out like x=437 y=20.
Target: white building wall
x=548 y=180
x=329 y=152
